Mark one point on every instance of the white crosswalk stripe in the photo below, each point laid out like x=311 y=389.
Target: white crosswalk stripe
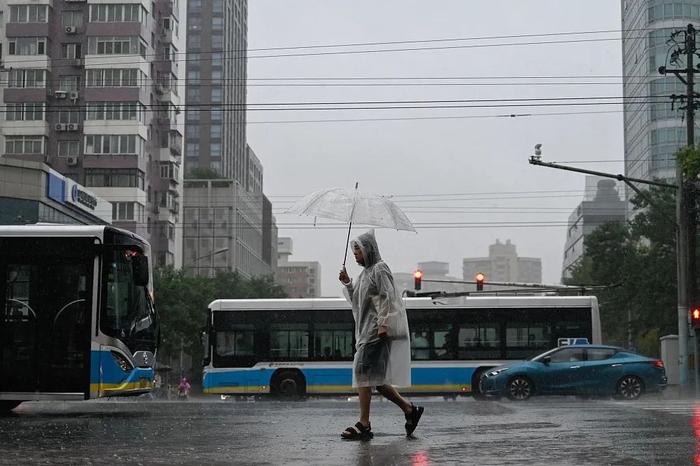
x=677 y=407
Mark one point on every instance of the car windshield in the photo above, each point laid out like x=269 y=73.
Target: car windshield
x=539 y=357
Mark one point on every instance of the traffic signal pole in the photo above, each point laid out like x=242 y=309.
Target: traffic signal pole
x=686 y=280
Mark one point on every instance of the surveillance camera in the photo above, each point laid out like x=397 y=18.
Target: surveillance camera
x=538 y=149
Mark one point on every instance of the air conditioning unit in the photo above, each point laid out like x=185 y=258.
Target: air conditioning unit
x=71 y=30
x=73 y=127
x=74 y=95
x=60 y=127
x=72 y=161
x=60 y=94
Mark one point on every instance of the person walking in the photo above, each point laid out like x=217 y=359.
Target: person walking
x=382 y=343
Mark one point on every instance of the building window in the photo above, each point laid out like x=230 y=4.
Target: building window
x=24 y=144
x=72 y=19
x=69 y=83
x=117 y=45
x=68 y=148
x=116 y=13
x=123 y=144
x=25 y=112
x=114 y=178
x=71 y=51
x=127 y=211
x=27 y=78
x=27 y=46
x=68 y=116
x=115 y=111
x=113 y=78
x=29 y=13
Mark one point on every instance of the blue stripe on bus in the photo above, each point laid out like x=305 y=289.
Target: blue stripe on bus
x=258 y=379
x=104 y=369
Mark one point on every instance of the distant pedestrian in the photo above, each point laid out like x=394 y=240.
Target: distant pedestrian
x=383 y=348
x=183 y=390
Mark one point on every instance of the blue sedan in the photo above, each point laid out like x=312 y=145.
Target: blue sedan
x=577 y=370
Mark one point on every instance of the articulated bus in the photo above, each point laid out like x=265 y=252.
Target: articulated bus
x=296 y=347
x=77 y=320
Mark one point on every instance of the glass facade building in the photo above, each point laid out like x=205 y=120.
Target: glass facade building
x=654 y=130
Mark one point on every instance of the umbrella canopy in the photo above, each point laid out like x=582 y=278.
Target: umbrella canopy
x=353 y=206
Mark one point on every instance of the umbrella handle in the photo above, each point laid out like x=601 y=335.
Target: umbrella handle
x=347 y=240
x=347 y=243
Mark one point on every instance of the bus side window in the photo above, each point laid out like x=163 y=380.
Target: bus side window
x=333 y=342
x=289 y=341
x=444 y=341
x=420 y=344
x=237 y=341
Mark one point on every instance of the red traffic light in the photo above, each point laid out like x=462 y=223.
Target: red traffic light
x=417 y=278
x=695 y=314
x=480 y=277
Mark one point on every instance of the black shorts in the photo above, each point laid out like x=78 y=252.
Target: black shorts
x=372 y=360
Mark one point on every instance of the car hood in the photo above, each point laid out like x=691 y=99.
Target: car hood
x=518 y=365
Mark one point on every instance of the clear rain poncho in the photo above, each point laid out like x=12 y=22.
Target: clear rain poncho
x=376 y=302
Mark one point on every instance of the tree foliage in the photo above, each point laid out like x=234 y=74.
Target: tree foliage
x=182 y=301
x=637 y=258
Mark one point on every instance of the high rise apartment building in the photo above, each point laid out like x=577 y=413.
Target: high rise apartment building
x=503 y=265
x=216 y=86
x=94 y=89
x=653 y=129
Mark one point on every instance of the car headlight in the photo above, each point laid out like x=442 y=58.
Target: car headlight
x=497 y=371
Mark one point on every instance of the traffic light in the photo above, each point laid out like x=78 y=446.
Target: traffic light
x=695 y=317
x=480 y=277
x=417 y=278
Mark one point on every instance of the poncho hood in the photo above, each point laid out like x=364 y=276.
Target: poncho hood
x=368 y=245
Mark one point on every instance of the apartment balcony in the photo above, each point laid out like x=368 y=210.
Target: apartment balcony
x=26 y=62
x=25 y=94
x=175 y=143
x=166 y=94
x=27 y=30
x=25 y=128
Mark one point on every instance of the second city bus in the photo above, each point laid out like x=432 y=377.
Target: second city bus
x=295 y=347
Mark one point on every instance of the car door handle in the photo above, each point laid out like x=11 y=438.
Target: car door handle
x=575 y=367
x=616 y=365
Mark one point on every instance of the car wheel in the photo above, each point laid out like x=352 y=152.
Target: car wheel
x=630 y=387
x=519 y=388
x=477 y=394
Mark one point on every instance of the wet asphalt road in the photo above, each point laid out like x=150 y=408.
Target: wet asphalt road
x=547 y=431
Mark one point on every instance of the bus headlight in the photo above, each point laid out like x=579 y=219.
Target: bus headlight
x=122 y=362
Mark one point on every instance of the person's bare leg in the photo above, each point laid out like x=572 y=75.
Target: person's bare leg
x=391 y=394
x=365 y=394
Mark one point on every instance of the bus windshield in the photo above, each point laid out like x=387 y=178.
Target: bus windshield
x=128 y=314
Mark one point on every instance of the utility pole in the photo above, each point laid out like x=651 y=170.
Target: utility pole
x=683 y=252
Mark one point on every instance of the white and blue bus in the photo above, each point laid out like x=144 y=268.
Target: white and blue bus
x=296 y=347
x=77 y=318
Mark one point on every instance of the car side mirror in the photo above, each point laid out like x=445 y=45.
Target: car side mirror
x=546 y=360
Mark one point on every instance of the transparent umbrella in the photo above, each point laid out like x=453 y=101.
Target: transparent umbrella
x=353 y=206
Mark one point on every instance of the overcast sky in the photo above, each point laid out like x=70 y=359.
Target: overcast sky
x=464 y=158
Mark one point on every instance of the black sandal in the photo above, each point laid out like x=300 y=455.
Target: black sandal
x=412 y=419
x=357 y=432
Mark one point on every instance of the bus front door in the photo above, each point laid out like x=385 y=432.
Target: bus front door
x=45 y=324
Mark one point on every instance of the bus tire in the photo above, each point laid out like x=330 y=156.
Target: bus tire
x=288 y=385
x=7 y=406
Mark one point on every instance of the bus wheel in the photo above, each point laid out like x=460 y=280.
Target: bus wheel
x=7 y=406
x=289 y=385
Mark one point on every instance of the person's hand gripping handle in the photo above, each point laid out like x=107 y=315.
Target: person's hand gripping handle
x=343 y=276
